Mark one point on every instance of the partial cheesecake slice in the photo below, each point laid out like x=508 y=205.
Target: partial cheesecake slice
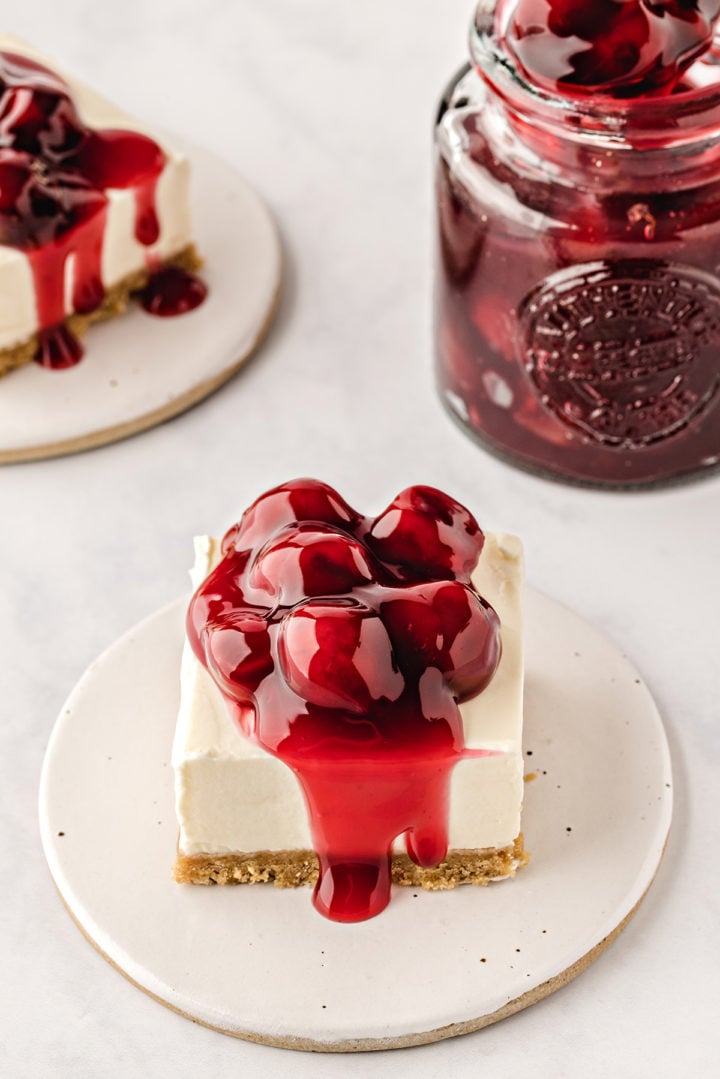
x=242 y=813
x=91 y=207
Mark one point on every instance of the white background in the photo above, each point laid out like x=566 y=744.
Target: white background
x=327 y=106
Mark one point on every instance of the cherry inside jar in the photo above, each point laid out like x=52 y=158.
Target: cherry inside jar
x=578 y=283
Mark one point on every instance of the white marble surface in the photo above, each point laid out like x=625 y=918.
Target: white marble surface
x=326 y=106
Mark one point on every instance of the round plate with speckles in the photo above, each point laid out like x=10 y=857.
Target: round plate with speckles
x=258 y=962
x=139 y=371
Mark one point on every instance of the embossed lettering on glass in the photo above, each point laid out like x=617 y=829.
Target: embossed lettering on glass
x=578 y=281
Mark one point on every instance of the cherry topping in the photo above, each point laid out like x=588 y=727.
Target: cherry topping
x=310 y=560
x=337 y=654
x=239 y=651
x=343 y=645
x=623 y=47
x=426 y=534
x=298 y=500
x=449 y=627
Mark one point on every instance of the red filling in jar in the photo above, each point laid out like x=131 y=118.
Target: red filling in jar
x=578 y=283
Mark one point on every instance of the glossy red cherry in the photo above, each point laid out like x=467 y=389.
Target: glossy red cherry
x=238 y=652
x=425 y=533
x=338 y=655
x=445 y=625
x=620 y=46
x=310 y=560
x=295 y=501
x=37 y=114
x=38 y=205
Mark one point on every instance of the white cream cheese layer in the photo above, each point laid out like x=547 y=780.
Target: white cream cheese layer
x=232 y=796
x=122 y=254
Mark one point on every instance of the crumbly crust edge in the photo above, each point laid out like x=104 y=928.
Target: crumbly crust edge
x=115 y=302
x=293 y=868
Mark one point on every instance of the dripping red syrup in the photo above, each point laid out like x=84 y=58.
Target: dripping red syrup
x=54 y=173
x=343 y=645
x=172 y=291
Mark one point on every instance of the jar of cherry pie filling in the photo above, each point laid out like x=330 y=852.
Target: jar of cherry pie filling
x=578 y=283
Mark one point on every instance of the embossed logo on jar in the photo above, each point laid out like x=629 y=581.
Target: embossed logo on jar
x=626 y=351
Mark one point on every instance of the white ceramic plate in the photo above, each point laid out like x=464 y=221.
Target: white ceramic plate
x=139 y=370
x=259 y=962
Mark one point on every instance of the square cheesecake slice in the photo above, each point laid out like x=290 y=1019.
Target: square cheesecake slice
x=242 y=813
x=91 y=205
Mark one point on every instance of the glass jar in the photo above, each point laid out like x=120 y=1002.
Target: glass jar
x=578 y=283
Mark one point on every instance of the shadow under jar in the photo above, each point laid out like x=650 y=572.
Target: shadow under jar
x=578 y=280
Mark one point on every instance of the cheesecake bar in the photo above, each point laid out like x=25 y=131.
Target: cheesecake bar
x=92 y=208
x=244 y=813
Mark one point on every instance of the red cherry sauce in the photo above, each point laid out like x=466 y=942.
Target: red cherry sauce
x=172 y=291
x=618 y=47
x=343 y=645
x=54 y=173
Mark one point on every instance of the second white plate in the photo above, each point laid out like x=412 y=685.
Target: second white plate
x=260 y=963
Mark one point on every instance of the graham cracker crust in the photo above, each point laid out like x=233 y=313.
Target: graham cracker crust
x=293 y=868
x=116 y=301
